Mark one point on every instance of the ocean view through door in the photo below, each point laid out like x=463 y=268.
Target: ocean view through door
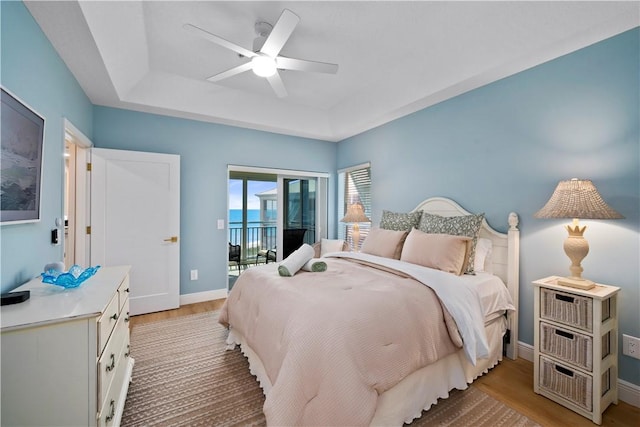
x=271 y=214
x=252 y=218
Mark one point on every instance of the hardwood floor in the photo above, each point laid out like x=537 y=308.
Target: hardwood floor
x=511 y=382
x=184 y=310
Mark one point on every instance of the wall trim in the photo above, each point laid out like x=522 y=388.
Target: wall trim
x=525 y=351
x=627 y=392
x=203 y=296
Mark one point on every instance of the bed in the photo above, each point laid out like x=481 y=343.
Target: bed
x=374 y=340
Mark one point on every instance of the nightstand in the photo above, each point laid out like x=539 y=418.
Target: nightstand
x=576 y=346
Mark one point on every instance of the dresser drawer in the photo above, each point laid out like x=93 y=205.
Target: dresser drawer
x=567 y=383
x=111 y=357
x=124 y=312
x=569 y=346
x=107 y=321
x=570 y=309
x=113 y=403
x=123 y=292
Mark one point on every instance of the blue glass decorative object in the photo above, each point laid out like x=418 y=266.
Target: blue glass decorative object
x=71 y=279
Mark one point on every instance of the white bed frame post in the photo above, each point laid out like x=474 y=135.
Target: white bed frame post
x=513 y=282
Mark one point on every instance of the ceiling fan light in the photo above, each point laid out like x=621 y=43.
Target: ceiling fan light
x=263 y=66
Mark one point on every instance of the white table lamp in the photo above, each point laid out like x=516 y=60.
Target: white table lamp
x=355 y=214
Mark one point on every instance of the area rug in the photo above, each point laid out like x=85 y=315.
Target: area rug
x=184 y=376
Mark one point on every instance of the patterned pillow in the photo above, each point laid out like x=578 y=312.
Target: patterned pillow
x=467 y=225
x=400 y=221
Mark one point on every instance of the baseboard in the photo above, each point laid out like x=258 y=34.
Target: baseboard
x=203 y=296
x=627 y=392
x=525 y=351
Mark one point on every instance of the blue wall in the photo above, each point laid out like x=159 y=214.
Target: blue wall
x=507 y=143
x=32 y=70
x=205 y=150
x=504 y=147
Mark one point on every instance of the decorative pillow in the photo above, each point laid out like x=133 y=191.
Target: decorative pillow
x=385 y=243
x=400 y=221
x=330 y=245
x=440 y=251
x=484 y=248
x=467 y=225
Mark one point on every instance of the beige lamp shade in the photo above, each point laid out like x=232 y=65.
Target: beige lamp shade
x=355 y=214
x=576 y=198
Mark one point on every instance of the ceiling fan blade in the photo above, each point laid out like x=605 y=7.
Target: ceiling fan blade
x=304 y=65
x=278 y=87
x=218 y=40
x=232 y=72
x=280 y=33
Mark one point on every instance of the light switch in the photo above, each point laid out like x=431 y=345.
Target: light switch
x=221 y=224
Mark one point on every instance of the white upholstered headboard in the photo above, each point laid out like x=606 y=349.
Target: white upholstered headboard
x=505 y=256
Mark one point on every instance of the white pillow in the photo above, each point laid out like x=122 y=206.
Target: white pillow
x=482 y=262
x=330 y=245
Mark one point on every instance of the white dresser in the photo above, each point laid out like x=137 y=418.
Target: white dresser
x=65 y=353
x=576 y=346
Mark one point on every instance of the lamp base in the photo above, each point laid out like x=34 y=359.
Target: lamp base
x=578 y=283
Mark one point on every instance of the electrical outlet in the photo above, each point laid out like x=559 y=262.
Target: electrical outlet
x=194 y=274
x=631 y=346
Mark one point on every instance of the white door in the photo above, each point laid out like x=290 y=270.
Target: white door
x=135 y=220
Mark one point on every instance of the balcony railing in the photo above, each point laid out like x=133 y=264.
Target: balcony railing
x=259 y=235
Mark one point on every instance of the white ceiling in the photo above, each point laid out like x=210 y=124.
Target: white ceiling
x=394 y=57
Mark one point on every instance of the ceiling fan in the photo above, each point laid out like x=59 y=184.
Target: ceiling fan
x=265 y=59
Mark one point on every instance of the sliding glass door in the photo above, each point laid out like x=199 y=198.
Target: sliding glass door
x=252 y=213
x=299 y=200
x=271 y=213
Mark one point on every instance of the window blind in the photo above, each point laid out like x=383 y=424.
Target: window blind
x=354 y=186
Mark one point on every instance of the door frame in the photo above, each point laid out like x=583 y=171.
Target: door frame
x=81 y=205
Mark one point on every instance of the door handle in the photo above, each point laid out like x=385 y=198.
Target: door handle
x=172 y=239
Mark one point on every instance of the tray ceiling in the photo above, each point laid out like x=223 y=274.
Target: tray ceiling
x=394 y=57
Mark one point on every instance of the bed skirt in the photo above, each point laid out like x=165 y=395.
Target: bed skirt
x=418 y=391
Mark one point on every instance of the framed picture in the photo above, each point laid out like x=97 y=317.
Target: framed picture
x=22 y=138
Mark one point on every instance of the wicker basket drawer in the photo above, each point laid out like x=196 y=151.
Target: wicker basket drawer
x=567 y=308
x=568 y=346
x=567 y=383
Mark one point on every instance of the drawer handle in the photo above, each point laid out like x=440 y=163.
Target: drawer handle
x=127 y=290
x=128 y=350
x=114 y=317
x=564 y=371
x=112 y=412
x=564 y=334
x=113 y=363
x=565 y=298
x=126 y=319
